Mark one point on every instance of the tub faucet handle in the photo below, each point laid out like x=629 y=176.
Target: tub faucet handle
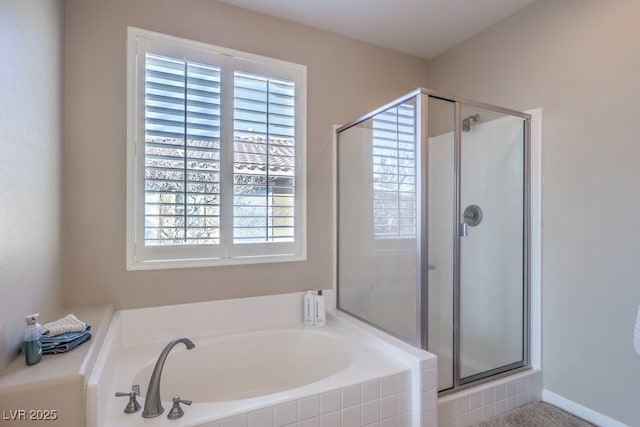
x=133 y=405
x=176 y=411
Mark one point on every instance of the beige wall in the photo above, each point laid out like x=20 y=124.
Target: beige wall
x=345 y=79
x=575 y=58
x=31 y=249
x=578 y=59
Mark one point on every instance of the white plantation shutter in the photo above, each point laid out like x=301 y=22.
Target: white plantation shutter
x=264 y=159
x=394 y=173
x=216 y=155
x=182 y=152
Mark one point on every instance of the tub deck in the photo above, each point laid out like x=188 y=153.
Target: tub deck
x=384 y=380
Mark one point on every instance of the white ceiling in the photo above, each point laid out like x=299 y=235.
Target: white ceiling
x=423 y=28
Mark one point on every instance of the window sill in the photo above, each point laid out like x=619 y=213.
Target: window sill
x=134 y=265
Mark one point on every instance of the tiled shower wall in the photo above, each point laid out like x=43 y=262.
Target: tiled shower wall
x=476 y=404
x=491 y=268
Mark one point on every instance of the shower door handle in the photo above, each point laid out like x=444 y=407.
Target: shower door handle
x=463 y=229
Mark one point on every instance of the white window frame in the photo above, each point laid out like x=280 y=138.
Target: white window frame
x=141 y=257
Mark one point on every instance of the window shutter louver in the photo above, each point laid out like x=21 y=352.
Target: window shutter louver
x=182 y=152
x=394 y=173
x=264 y=159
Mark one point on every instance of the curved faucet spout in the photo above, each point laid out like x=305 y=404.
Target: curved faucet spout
x=152 y=402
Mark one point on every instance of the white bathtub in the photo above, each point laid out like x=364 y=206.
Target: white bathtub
x=282 y=373
x=245 y=365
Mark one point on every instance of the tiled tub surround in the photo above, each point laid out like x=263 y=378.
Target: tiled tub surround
x=476 y=404
x=384 y=382
x=381 y=402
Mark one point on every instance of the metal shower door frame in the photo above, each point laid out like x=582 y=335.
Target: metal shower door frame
x=422 y=96
x=422 y=274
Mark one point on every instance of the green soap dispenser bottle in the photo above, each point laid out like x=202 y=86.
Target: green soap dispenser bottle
x=32 y=340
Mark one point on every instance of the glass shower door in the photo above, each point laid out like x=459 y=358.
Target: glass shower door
x=432 y=221
x=492 y=269
x=377 y=220
x=441 y=228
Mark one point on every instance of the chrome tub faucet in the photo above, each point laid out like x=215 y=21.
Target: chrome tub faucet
x=152 y=402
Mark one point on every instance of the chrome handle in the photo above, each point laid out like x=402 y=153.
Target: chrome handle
x=176 y=411
x=132 y=406
x=463 y=229
x=178 y=400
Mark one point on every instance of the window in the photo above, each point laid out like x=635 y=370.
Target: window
x=216 y=155
x=394 y=173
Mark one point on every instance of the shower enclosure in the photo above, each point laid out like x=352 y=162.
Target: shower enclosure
x=433 y=230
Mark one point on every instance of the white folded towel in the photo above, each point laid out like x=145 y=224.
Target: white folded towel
x=68 y=323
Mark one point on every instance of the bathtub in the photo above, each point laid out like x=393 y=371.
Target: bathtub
x=246 y=365
x=255 y=364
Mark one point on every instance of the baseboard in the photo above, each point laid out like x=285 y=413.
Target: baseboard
x=579 y=410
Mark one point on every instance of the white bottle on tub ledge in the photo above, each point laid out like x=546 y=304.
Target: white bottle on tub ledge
x=320 y=318
x=309 y=308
